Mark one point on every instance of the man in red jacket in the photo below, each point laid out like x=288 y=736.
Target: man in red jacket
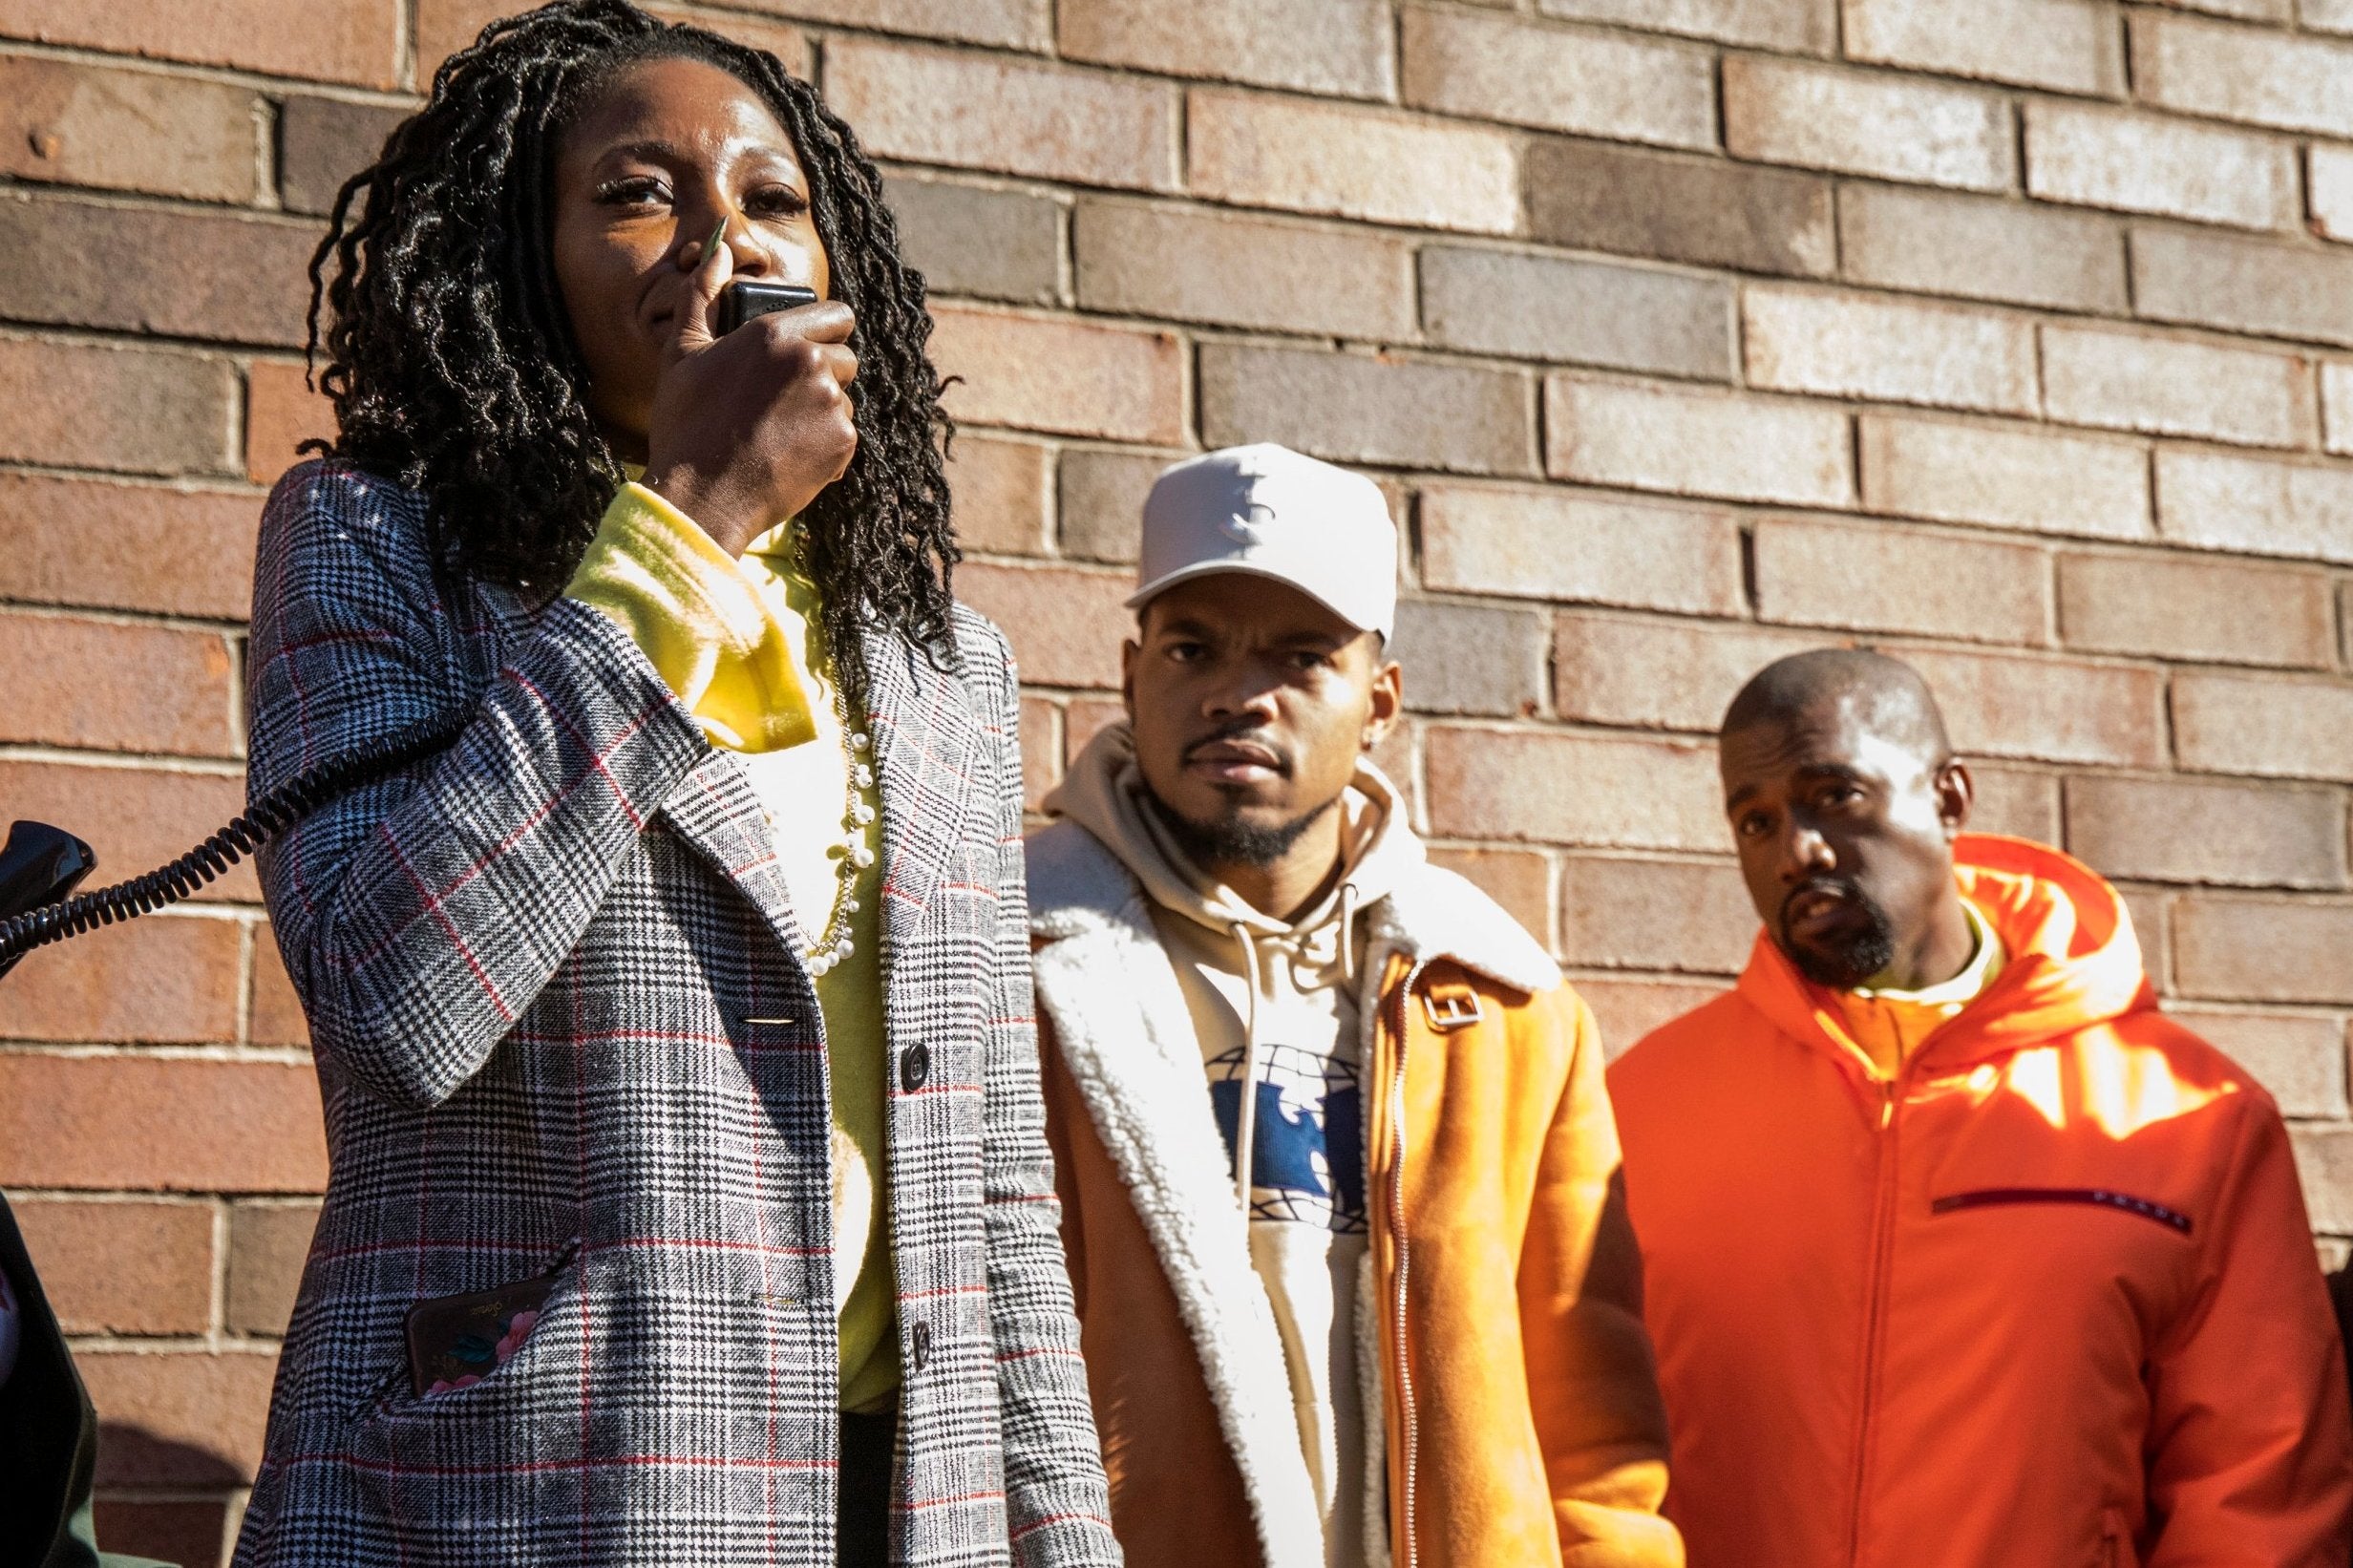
x=1958 y=1252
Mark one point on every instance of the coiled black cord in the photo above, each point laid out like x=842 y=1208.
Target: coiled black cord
x=263 y=821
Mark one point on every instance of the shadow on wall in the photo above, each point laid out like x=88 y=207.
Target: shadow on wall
x=189 y=1497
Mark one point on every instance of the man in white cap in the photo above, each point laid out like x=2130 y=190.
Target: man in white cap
x=1337 y=1164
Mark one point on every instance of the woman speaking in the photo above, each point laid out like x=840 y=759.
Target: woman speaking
x=689 y=1203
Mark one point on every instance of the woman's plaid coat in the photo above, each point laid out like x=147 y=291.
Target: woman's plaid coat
x=561 y=1020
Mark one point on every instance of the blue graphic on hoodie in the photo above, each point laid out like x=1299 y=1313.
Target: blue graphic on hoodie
x=1308 y=1143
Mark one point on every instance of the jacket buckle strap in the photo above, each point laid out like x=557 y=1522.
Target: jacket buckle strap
x=1452 y=1006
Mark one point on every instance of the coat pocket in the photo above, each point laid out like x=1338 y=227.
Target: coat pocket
x=474 y=1350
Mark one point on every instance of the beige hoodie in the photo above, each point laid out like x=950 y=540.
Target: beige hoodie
x=1275 y=1007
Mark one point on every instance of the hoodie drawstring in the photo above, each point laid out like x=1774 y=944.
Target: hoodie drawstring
x=1254 y=973
x=1246 y=1119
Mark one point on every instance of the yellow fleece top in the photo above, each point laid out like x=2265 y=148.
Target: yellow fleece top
x=740 y=644
x=1890 y=1025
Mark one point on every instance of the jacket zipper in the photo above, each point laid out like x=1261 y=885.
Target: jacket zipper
x=1883 y=1207
x=1406 y=1415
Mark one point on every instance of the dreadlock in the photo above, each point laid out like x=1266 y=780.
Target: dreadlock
x=453 y=371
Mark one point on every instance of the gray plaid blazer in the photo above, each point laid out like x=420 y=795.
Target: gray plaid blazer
x=562 y=1023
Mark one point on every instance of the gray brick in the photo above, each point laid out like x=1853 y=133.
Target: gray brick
x=1578 y=312
x=981 y=239
x=2243 y=285
x=1471 y=658
x=322 y=143
x=1982 y=248
x=1676 y=208
x=1357 y=408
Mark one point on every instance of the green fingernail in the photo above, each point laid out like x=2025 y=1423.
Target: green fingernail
x=716 y=235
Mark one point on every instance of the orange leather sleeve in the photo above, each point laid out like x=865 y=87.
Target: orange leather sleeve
x=1592 y=1380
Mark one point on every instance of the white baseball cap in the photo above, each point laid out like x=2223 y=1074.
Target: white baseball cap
x=1270 y=511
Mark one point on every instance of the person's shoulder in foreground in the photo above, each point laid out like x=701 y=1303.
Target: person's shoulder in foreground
x=1279 y=1046
x=1957 y=1252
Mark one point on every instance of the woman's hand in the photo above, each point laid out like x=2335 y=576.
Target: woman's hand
x=746 y=430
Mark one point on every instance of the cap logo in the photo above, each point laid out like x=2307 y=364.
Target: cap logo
x=1248 y=526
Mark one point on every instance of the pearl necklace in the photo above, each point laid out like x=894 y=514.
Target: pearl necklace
x=836 y=943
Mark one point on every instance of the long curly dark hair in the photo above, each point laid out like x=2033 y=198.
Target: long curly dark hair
x=453 y=369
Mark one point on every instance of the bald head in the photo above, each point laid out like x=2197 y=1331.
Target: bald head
x=1843 y=797
x=1884 y=697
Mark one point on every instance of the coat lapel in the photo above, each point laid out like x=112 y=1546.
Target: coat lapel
x=1122 y=1026
x=924 y=737
x=716 y=812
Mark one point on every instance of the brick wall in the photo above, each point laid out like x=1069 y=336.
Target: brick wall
x=2012 y=335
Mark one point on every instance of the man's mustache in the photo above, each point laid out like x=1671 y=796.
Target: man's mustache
x=1842 y=888
x=1246 y=731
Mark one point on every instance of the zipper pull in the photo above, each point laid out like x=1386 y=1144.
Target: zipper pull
x=1887 y=1104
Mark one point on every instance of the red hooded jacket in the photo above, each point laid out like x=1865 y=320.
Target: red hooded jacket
x=2045 y=1299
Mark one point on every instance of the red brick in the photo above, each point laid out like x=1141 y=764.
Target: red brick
x=2053 y=710
x=1346 y=50
x=115 y=688
x=1554 y=78
x=1556 y=544
x=162 y=980
x=123 y=1268
x=2195 y=831
x=185 y=1417
x=1660 y=674
x=1692 y=442
x=2195 y=607
x=282 y=411
x=274 y=1013
x=1519 y=879
x=135 y=410
x=1882 y=578
x=1041 y=750
x=1805 y=27
x=1066 y=624
x=988 y=112
x=2239 y=948
x=1278 y=274
x=88 y=125
x=268 y=1244
x=1255 y=150
x=1620 y=913
x=179 y=274
x=336 y=40
x=1887 y=350
x=174 y=1125
x=125 y=546
x=1072 y=377
x=1003 y=492
x=1084 y=719
x=1353 y=407
x=192 y=1531
x=2070 y=46
x=1868 y=123
x=1462 y=658
x=2015 y=801
x=2275 y=727
x=1572 y=789
x=1014 y=23
x=444 y=27
x=324 y=141
x=136 y=818
x=2298 y=1057
x=1626 y=1009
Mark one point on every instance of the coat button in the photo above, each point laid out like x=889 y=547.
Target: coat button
x=915 y=1067
x=918 y=1346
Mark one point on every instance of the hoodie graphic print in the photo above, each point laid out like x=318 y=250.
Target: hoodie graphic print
x=1276 y=1007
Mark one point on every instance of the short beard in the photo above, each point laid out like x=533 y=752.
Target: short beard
x=1854 y=958
x=1232 y=841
